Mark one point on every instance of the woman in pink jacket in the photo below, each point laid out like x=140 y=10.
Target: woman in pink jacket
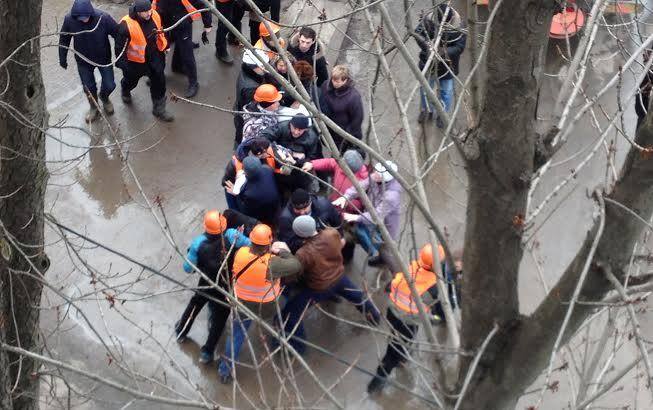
x=340 y=181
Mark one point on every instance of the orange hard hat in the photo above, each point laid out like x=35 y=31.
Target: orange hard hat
x=261 y=235
x=267 y=93
x=426 y=255
x=214 y=222
x=263 y=31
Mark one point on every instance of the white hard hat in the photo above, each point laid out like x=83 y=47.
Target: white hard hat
x=250 y=59
x=381 y=169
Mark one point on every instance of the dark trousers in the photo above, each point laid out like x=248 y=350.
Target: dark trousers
x=87 y=75
x=218 y=314
x=296 y=306
x=183 y=56
x=134 y=71
x=221 y=33
x=238 y=14
x=397 y=351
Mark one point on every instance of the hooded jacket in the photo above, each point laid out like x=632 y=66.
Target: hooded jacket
x=153 y=57
x=325 y=215
x=259 y=198
x=386 y=199
x=452 y=43
x=308 y=143
x=94 y=45
x=314 y=53
x=344 y=106
x=321 y=259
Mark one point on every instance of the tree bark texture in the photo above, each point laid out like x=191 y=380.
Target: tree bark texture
x=499 y=159
x=23 y=179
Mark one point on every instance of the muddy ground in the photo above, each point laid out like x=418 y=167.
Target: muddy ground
x=96 y=192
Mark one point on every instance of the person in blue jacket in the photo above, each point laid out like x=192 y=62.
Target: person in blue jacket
x=207 y=252
x=259 y=198
x=90 y=29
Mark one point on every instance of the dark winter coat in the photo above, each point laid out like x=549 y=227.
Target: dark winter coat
x=153 y=57
x=259 y=198
x=452 y=44
x=324 y=213
x=308 y=143
x=344 y=106
x=314 y=54
x=172 y=11
x=93 y=45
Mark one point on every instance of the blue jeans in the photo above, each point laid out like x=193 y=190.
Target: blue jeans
x=446 y=94
x=234 y=343
x=369 y=238
x=294 y=309
x=87 y=75
x=232 y=201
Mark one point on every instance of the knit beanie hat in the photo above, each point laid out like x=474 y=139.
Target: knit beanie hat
x=142 y=5
x=304 y=226
x=300 y=199
x=251 y=166
x=299 y=121
x=354 y=159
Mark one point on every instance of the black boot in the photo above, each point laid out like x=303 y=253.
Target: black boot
x=192 y=90
x=223 y=55
x=159 y=110
x=377 y=384
x=126 y=97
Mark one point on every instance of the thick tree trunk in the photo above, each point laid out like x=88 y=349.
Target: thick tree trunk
x=23 y=178
x=499 y=156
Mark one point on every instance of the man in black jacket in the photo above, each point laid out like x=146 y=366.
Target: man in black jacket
x=183 y=57
x=91 y=29
x=144 y=55
x=445 y=64
x=304 y=46
x=302 y=144
x=240 y=7
x=302 y=203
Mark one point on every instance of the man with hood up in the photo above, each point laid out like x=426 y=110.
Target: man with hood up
x=140 y=34
x=91 y=29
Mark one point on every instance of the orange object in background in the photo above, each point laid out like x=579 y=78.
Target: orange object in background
x=623 y=7
x=567 y=23
x=482 y=2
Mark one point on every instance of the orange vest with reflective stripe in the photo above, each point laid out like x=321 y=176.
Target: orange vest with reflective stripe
x=272 y=163
x=187 y=5
x=253 y=285
x=137 y=40
x=260 y=44
x=400 y=292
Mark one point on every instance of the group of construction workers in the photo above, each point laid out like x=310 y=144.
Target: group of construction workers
x=280 y=246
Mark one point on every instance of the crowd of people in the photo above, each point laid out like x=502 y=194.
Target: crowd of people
x=285 y=235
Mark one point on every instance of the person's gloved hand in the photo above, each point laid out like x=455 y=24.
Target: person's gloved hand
x=350 y=217
x=205 y=38
x=63 y=64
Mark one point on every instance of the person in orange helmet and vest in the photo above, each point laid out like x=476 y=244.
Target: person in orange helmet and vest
x=207 y=252
x=144 y=44
x=183 y=57
x=266 y=43
x=256 y=279
x=402 y=313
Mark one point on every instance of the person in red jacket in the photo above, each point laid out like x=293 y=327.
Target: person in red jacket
x=340 y=180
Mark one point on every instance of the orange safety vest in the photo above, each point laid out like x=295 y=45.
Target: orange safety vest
x=189 y=8
x=260 y=44
x=400 y=291
x=137 y=41
x=272 y=163
x=252 y=284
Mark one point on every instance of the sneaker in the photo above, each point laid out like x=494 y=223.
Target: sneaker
x=92 y=115
x=421 y=117
x=224 y=56
x=205 y=357
x=376 y=385
x=107 y=105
